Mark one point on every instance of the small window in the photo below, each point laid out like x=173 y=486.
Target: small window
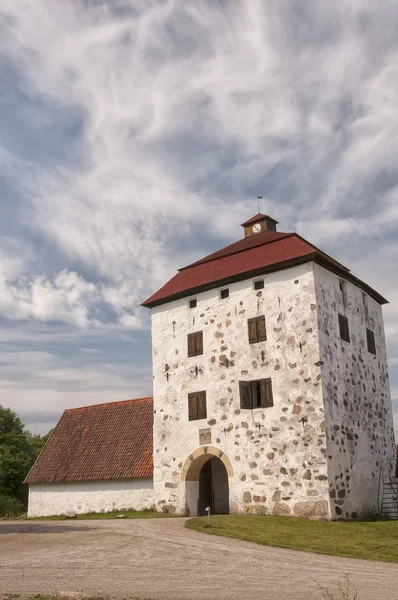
x=193 y=303
x=343 y=289
x=344 y=328
x=256 y=394
x=370 y=338
x=224 y=294
x=257 y=330
x=197 y=408
x=259 y=285
x=195 y=343
x=365 y=306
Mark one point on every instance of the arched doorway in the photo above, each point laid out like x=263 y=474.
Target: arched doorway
x=206 y=473
x=213 y=488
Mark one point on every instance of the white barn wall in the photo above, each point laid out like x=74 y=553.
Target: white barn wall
x=89 y=497
x=356 y=389
x=279 y=461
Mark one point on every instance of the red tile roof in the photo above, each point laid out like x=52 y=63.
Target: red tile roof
x=100 y=442
x=260 y=239
x=254 y=255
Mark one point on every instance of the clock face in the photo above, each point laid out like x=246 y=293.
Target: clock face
x=256 y=228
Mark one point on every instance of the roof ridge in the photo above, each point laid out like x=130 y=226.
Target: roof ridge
x=111 y=402
x=282 y=236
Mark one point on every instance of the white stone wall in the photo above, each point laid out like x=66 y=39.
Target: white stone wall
x=89 y=497
x=359 y=422
x=279 y=460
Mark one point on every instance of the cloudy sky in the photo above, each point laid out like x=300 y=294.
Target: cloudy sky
x=135 y=137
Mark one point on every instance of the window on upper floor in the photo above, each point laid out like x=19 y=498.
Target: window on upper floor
x=195 y=343
x=193 y=303
x=197 y=408
x=365 y=306
x=257 y=330
x=344 y=328
x=343 y=289
x=224 y=294
x=256 y=394
x=370 y=339
x=259 y=284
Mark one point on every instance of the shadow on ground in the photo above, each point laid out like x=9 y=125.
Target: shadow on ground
x=39 y=528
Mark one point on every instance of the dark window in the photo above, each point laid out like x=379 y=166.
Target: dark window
x=256 y=394
x=197 y=406
x=195 y=343
x=370 y=338
x=259 y=285
x=343 y=289
x=344 y=328
x=257 y=330
x=224 y=294
x=193 y=303
x=366 y=307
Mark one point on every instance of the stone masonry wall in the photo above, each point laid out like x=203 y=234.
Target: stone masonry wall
x=359 y=422
x=278 y=454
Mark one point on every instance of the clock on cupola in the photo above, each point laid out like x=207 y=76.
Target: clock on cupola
x=258 y=224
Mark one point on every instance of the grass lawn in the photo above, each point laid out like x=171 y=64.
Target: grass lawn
x=371 y=540
x=129 y=514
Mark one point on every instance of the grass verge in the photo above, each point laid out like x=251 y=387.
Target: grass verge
x=373 y=540
x=128 y=514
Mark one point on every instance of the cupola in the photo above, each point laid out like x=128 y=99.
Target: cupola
x=258 y=224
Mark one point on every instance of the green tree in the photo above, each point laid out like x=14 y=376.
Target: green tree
x=18 y=451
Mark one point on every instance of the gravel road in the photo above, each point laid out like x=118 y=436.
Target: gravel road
x=158 y=558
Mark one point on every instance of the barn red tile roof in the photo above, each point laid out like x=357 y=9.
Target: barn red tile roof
x=257 y=254
x=100 y=442
x=265 y=237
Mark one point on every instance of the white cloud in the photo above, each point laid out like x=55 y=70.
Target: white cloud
x=39 y=385
x=185 y=112
x=238 y=76
x=66 y=297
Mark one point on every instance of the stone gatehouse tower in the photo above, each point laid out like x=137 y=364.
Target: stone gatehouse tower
x=271 y=389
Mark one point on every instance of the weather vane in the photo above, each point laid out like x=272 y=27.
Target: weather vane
x=258 y=202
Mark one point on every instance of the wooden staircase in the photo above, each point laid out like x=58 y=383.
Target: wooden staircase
x=388 y=489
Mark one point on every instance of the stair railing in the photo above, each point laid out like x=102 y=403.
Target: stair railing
x=388 y=471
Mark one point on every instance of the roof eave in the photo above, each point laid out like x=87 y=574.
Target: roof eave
x=26 y=480
x=317 y=256
x=231 y=279
x=323 y=262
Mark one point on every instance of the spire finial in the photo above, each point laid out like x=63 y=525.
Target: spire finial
x=258 y=202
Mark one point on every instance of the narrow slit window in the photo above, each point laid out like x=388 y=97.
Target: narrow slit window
x=224 y=294
x=193 y=303
x=259 y=285
x=344 y=328
x=365 y=306
x=343 y=289
x=370 y=339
